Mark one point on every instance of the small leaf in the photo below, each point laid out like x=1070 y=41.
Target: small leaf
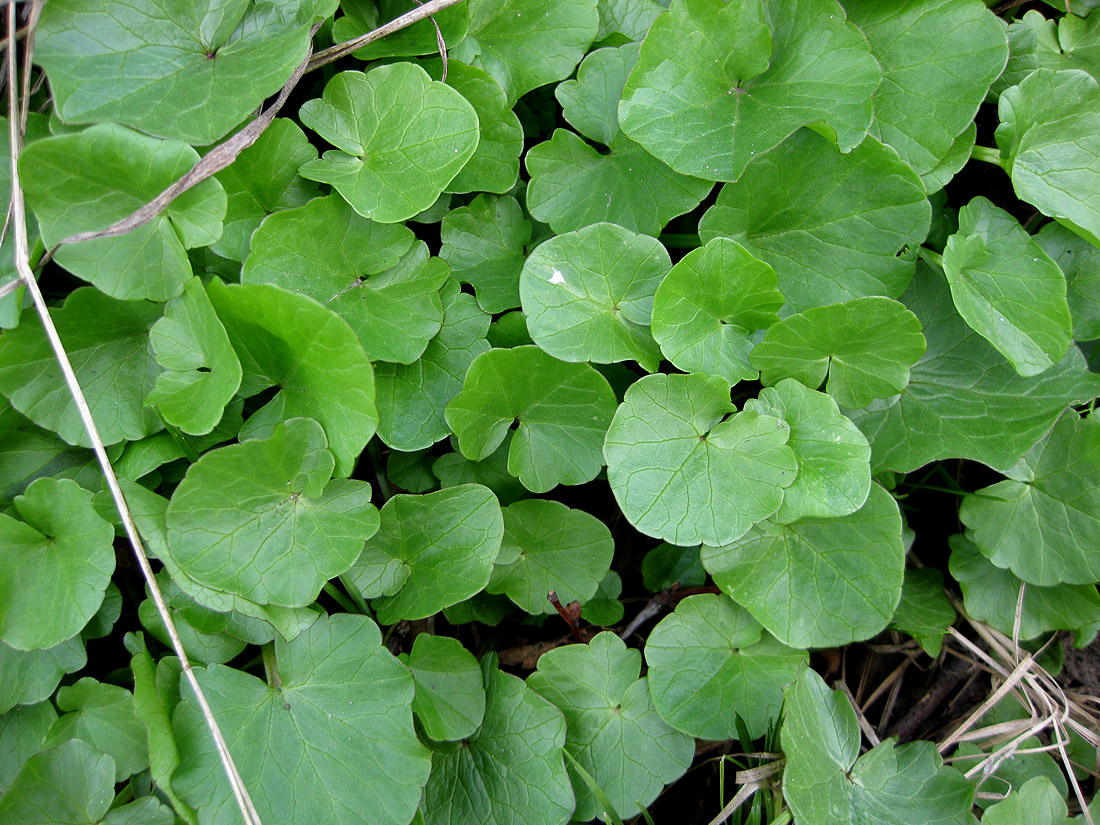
x=711 y=667
x=450 y=695
x=605 y=609
x=27 y=677
x=439 y=546
x=401 y=138
x=103 y=716
x=666 y=565
x=1079 y=261
x=22 y=731
x=59 y=555
x=483 y=242
x=708 y=306
x=1007 y=288
x=718 y=83
x=610 y=722
x=924 y=612
x=674 y=459
x=818 y=582
x=563 y=411
x=628 y=18
x=1037 y=801
x=363 y=16
x=453 y=469
x=261 y=519
x=588 y=295
x=832 y=225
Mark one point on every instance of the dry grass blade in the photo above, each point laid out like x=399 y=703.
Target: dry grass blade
x=22 y=264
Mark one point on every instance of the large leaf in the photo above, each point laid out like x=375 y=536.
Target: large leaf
x=612 y=727
x=718 y=83
x=330 y=740
x=157 y=66
x=483 y=242
x=547 y=546
x=72 y=784
x=1050 y=138
x=430 y=552
x=401 y=138
x=588 y=295
x=103 y=716
x=818 y=582
x=202 y=372
x=86 y=181
x=831 y=224
x=290 y=341
x=711 y=666
x=1043 y=522
x=60 y=557
x=707 y=308
x=675 y=460
x=261 y=519
x=563 y=412
x=963 y=399
x=511 y=772
x=1007 y=288
x=825 y=783
x=938 y=59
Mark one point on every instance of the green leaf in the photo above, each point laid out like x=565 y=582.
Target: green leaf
x=818 y=582
x=201 y=647
x=563 y=411
x=28 y=452
x=511 y=772
x=707 y=308
x=103 y=716
x=412 y=472
x=59 y=556
x=666 y=565
x=1050 y=138
x=72 y=784
x=629 y=18
x=202 y=373
x=494 y=166
x=924 y=612
x=412 y=398
x=27 y=677
x=674 y=458
x=717 y=83
x=1080 y=263
x=825 y=783
x=572 y=185
x=450 y=695
x=401 y=138
x=588 y=295
x=831 y=224
x=711 y=667
x=604 y=609
x=453 y=469
x=963 y=400
x=107 y=343
x=1035 y=42
x=524 y=44
x=363 y=16
x=483 y=243
x=86 y=181
x=156 y=66
x=1037 y=801
x=1007 y=288
x=834 y=458
x=330 y=741
x=262 y=520
x=610 y=724
x=263 y=179
x=22 y=731
x=291 y=342
x=547 y=546
x=938 y=60
x=1043 y=522
x=440 y=545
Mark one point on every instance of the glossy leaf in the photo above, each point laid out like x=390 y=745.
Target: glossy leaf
x=675 y=454
x=483 y=242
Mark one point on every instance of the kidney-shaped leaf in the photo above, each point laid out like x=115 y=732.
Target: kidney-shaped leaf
x=612 y=728
x=825 y=783
x=818 y=582
x=588 y=295
x=331 y=740
x=261 y=519
x=675 y=460
x=563 y=412
x=714 y=86
x=711 y=664
x=866 y=346
x=401 y=137
x=55 y=565
x=708 y=306
x=103 y=716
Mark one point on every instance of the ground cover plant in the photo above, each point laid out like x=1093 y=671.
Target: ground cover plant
x=536 y=412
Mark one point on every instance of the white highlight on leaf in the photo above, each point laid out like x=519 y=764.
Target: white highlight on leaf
x=557 y=277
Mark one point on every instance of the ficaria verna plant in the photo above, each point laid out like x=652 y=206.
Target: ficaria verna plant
x=519 y=403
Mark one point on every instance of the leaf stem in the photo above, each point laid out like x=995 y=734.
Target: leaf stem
x=338 y=597
x=988 y=154
x=379 y=470
x=930 y=256
x=271 y=667
x=356 y=596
